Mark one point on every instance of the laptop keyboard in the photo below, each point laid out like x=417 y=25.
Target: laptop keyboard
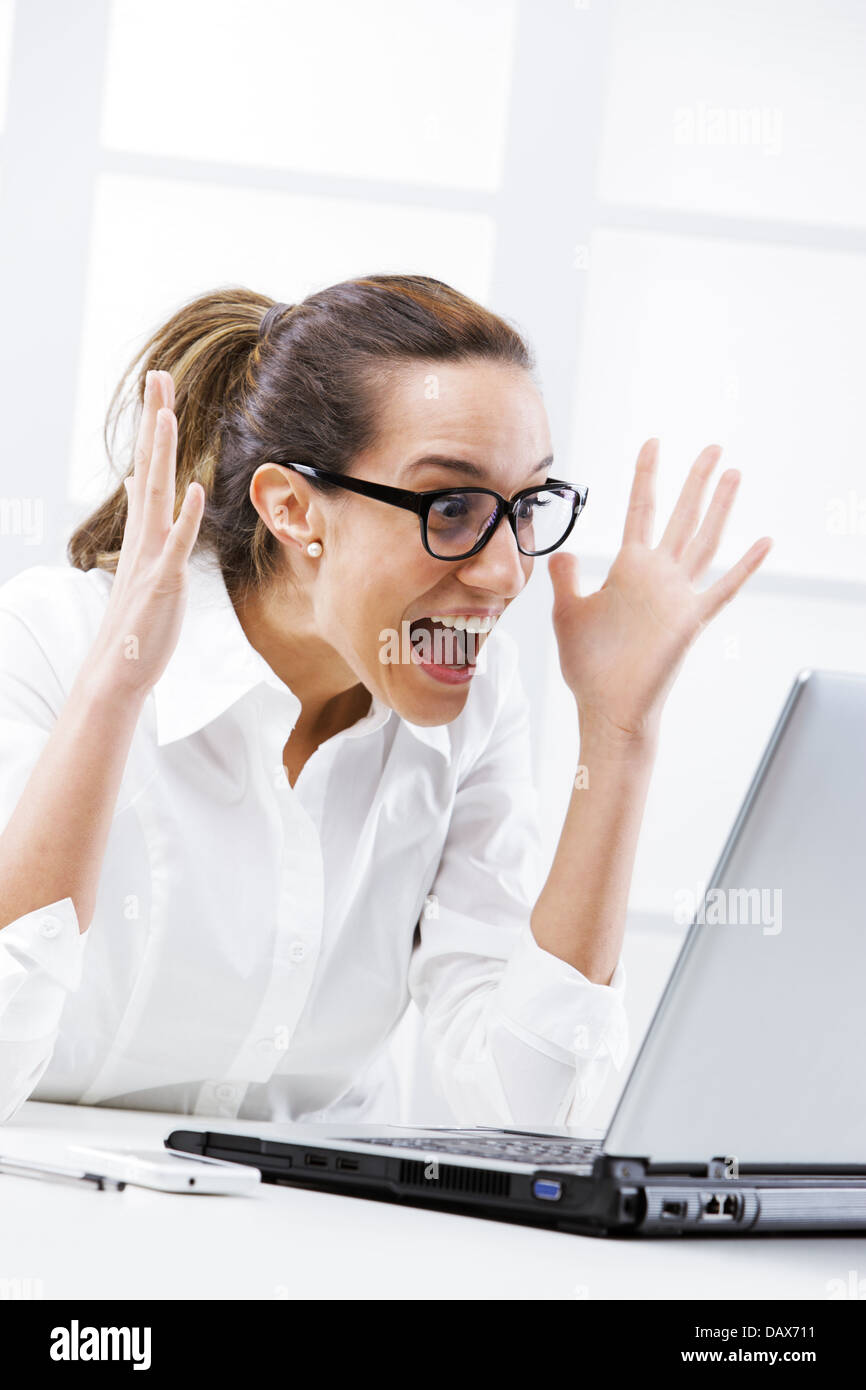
x=542 y=1152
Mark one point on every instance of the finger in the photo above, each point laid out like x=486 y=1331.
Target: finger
x=687 y=511
x=641 y=510
x=167 y=383
x=700 y=551
x=129 y=524
x=182 y=536
x=564 y=571
x=143 y=449
x=158 y=511
x=724 y=589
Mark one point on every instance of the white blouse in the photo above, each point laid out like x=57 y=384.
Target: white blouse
x=254 y=945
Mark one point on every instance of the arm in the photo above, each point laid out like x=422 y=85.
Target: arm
x=46 y=857
x=523 y=1004
x=53 y=845
x=595 y=855
x=516 y=1034
x=620 y=650
x=62 y=758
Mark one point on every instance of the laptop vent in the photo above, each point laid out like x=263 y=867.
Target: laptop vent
x=450 y=1177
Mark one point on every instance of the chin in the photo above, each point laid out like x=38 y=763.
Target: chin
x=438 y=704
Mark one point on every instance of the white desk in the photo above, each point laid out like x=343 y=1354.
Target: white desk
x=287 y=1243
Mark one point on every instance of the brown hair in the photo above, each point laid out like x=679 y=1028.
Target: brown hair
x=257 y=380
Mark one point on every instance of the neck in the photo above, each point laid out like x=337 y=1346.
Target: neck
x=281 y=627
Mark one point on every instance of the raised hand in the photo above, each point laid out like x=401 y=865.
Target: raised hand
x=621 y=647
x=148 y=596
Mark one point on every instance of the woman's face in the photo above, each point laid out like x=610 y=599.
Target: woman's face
x=374 y=578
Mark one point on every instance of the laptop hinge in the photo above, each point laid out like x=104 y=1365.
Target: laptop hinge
x=723 y=1167
x=631 y=1167
x=610 y=1166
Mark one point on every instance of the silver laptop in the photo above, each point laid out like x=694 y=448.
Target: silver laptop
x=744 y=1110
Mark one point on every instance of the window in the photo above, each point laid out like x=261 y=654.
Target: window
x=664 y=195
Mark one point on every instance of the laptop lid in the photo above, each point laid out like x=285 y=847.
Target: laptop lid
x=756 y=1049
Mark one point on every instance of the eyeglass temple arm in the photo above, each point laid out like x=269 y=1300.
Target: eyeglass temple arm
x=397 y=496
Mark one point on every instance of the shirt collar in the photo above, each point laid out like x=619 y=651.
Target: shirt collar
x=214 y=664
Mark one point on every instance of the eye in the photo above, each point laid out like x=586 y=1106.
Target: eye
x=529 y=505
x=451 y=508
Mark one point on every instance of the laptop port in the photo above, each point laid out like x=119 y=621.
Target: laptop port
x=547 y=1189
x=673 y=1208
x=316 y=1161
x=348 y=1165
x=721 y=1208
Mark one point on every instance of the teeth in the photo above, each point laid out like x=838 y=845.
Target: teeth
x=472 y=624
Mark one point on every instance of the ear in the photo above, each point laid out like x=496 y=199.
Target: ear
x=286 y=503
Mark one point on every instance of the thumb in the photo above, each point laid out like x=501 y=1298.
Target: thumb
x=564 y=571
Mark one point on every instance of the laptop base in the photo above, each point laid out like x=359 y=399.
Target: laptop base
x=610 y=1197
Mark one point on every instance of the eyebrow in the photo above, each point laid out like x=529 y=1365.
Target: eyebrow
x=473 y=470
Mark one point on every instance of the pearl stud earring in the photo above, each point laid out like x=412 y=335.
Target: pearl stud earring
x=314 y=549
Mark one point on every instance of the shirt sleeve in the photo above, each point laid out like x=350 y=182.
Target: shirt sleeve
x=518 y=1036
x=41 y=953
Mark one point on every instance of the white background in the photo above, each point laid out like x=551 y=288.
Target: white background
x=666 y=196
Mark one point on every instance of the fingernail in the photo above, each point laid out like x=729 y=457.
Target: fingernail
x=148 y=386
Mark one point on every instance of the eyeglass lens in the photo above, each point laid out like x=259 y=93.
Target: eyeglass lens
x=456 y=522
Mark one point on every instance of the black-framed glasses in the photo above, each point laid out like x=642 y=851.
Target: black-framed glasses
x=457 y=521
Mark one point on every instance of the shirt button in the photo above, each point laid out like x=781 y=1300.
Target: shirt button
x=49 y=926
x=297 y=951
x=225 y=1092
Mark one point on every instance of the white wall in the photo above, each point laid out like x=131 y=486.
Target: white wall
x=665 y=195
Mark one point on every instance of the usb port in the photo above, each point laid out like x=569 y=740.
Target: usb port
x=673 y=1208
x=348 y=1165
x=316 y=1161
x=547 y=1189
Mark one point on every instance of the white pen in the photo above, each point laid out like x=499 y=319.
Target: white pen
x=53 y=1172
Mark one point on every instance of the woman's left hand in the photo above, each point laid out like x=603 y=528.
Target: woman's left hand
x=621 y=647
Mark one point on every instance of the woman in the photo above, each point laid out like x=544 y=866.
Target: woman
x=243 y=824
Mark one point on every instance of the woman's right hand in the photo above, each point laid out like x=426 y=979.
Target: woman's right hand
x=142 y=622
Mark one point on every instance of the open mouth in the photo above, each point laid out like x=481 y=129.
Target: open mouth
x=449 y=646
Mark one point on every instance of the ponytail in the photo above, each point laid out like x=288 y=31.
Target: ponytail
x=205 y=346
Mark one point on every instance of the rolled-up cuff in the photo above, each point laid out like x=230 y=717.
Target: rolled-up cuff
x=570 y=1016
x=46 y=941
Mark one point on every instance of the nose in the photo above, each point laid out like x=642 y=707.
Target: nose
x=498 y=566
